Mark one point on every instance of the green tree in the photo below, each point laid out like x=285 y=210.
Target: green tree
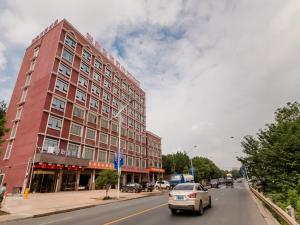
x=106 y=179
x=3 y=129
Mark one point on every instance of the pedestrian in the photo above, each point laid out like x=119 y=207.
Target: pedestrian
x=2 y=193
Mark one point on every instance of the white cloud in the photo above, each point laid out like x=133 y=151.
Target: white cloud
x=211 y=69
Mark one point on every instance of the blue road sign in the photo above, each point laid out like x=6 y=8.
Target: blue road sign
x=116 y=160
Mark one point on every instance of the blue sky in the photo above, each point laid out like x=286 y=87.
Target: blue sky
x=211 y=69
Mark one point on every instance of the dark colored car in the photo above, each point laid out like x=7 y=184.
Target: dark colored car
x=132 y=187
x=214 y=183
x=148 y=186
x=229 y=181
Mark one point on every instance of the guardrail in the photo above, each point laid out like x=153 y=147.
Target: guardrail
x=279 y=211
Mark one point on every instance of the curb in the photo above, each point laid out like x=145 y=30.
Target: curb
x=79 y=208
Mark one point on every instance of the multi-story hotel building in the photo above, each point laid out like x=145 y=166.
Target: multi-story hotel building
x=61 y=117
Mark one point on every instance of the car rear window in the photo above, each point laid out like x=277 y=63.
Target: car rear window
x=184 y=187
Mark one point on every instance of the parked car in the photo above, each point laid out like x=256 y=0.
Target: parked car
x=148 y=186
x=189 y=197
x=214 y=183
x=132 y=187
x=162 y=184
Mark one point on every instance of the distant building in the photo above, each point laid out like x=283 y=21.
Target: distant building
x=61 y=117
x=235 y=169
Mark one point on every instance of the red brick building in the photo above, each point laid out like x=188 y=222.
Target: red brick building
x=61 y=117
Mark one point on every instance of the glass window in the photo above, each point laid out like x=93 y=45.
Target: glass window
x=108 y=72
x=98 y=64
x=123 y=131
x=73 y=150
x=28 y=78
x=54 y=123
x=116 y=91
x=96 y=76
x=113 y=141
x=85 y=68
x=78 y=112
x=70 y=42
x=8 y=150
x=103 y=138
x=36 y=51
x=92 y=118
x=64 y=69
x=137 y=148
x=129 y=161
x=88 y=153
x=130 y=134
x=80 y=95
x=67 y=55
x=94 y=103
x=137 y=162
x=124 y=85
x=13 y=131
x=107 y=84
x=18 y=114
x=144 y=163
x=104 y=123
x=24 y=94
x=91 y=134
x=143 y=150
x=124 y=96
x=114 y=127
x=61 y=86
x=130 y=146
x=83 y=81
x=115 y=102
x=105 y=109
x=58 y=104
x=86 y=55
x=102 y=156
x=111 y=157
x=76 y=129
x=117 y=80
x=130 y=122
x=50 y=146
x=32 y=65
x=123 y=144
x=95 y=89
x=106 y=96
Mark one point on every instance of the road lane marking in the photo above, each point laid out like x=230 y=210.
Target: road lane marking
x=134 y=214
x=55 y=221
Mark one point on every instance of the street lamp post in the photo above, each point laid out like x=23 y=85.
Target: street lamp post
x=192 y=169
x=119 y=116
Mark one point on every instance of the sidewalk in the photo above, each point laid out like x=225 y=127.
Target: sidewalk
x=51 y=203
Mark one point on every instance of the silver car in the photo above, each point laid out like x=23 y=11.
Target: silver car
x=189 y=196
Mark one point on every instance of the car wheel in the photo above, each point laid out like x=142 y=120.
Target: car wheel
x=174 y=211
x=200 y=211
x=209 y=203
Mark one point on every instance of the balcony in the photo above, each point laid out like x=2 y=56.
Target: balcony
x=59 y=159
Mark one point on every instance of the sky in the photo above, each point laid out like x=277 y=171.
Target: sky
x=211 y=69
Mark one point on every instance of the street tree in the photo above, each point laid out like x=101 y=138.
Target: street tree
x=3 y=129
x=106 y=179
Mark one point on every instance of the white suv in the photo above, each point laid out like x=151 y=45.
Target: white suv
x=162 y=184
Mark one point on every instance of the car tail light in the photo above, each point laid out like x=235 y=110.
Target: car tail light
x=170 y=195
x=193 y=195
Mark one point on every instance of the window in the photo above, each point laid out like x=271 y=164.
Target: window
x=102 y=156
x=137 y=162
x=50 y=146
x=36 y=51
x=129 y=161
x=58 y=104
x=116 y=91
x=13 y=131
x=115 y=102
x=80 y=95
x=108 y=72
x=137 y=127
x=96 y=76
x=111 y=157
x=130 y=146
x=130 y=134
x=106 y=96
x=117 y=80
x=124 y=85
x=107 y=84
x=67 y=55
x=105 y=109
x=94 y=103
x=88 y=153
x=84 y=67
x=130 y=110
x=143 y=151
x=24 y=94
x=32 y=65
x=144 y=163
x=27 y=81
x=114 y=112
x=98 y=64
x=143 y=139
x=76 y=129
x=124 y=96
x=138 y=137
x=113 y=141
x=54 y=123
x=86 y=55
x=64 y=69
x=130 y=122
x=123 y=144
x=131 y=92
x=73 y=150
x=137 y=116
x=95 y=89
x=114 y=127
x=78 y=112
x=103 y=138
x=18 y=114
x=104 y=123
x=82 y=82
x=8 y=150
x=61 y=86
x=90 y=134
x=70 y=42
x=92 y=118
x=123 y=131
x=138 y=149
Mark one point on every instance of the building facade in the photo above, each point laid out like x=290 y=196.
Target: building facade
x=61 y=117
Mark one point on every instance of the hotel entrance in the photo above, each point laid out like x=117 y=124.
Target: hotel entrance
x=43 y=181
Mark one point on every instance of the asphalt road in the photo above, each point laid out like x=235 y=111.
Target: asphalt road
x=231 y=206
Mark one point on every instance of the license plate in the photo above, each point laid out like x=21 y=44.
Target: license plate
x=179 y=197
